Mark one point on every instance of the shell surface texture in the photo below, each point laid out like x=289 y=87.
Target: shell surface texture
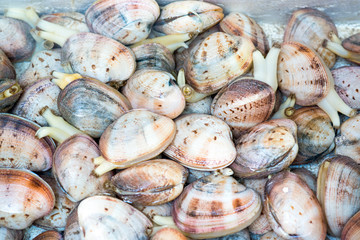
x=7 y=70
x=70 y=20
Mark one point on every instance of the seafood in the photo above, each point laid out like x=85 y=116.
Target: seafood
x=10 y=91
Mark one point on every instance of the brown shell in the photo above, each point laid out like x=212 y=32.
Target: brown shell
x=351 y=230
x=347 y=85
x=70 y=20
x=311 y=27
x=352 y=43
x=49 y=235
x=303 y=73
x=10 y=234
x=243 y=103
x=7 y=70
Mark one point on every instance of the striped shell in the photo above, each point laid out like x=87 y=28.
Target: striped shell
x=244 y=103
x=347 y=85
x=351 y=230
x=214 y=206
x=11 y=234
x=49 y=235
x=202 y=142
x=125 y=21
x=311 y=27
x=188 y=17
x=239 y=24
x=70 y=20
x=219 y=59
x=7 y=70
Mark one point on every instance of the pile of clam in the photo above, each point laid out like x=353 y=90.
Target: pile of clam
x=139 y=122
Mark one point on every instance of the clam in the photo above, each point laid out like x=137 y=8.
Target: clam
x=35 y=155
x=157 y=210
x=161 y=181
x=147 y=135
x=35 y=97
x=351 y=230
x=25 y=197
x=196 y=174
x=91 y=106
x=106 y=218
x=202 y=142
x=219 y=59
x=215 y=206
x=10 y=234
x=311 y=27
x=7 y=70
x=239 y=24
x=302 y=72
x=71 y=20
x=267 y=148
x=156 y=91
x=73 y=168
x=168 y=233
x=10 y=92
x=271 y=236
x=338 y=191
x=241 y=235
x=292 y=208
x=49 y=235
x=348 y=49
x=201 y=106
x=308 y=177
x=315 y=134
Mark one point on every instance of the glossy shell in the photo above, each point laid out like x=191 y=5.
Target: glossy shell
x=351 y=230
x=10 y=91
x=288 y=197
x=214 y=206
x=7 y=70
x=188 y=17
x=311 y=27
x=156 y=91
x=347 y=85
x=91 y=106
x=239 y=24
x=36 y=155
x=243 y=103
x=219 y=59
x=125 y=21
x=168 y=233
x=98 y=57
x=267 y=148
x=302 y=72
x=161 y=181
x=70 y=20
x=24 y=198
x=49 y=235
x=202 y=142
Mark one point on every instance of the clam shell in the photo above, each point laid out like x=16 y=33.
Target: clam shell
x=10 y=234
x=338 y=191
x=161 y=181
x=241 y=235
x=34 y=98
x=168 y=233
x=267 y=148
x=239 y=24
x=49 y=235
x=351 y=230
x=125 y=21
x=188 y=17
x=202 y=142
x=311 y=27
x=98 y=57
x=219 y=59
x=292 y=208
x=271 y=236
x=352 y=43
x=35 y=155
x=156 y=91
x=203 y=106
x=215 y=206
x=73 y=168
x=196 y=174
x=139 y=127
x=91 y=106
x=106 y=218
x=151 y=211
x=7 y=70
x=308 y=177
x=70 y=20
x=302 y=72
x=24 y=197
x=243 y=103
x=15 y=39
x=8 y=86
x=315 y=134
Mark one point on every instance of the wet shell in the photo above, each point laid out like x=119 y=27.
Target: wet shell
x=338 y=191
x=102 y=217
x=35 y=155
x=308 y=177
x=347 y=85
x=49 y=235
x=34 y=98
x=352 y=43
x=202 y=142
x=125 y=21
x=24 y=197
x=214 y=206
x=244 y=103
x=10 y=92
x=219 y=59
x=315 y=134
x=239 y=24
x=98 y=57
x=127 y=140
x=202 y=106
x=91 y=106
x=7 y=70
x=42 y=65
x=311 y=27
x=10 y=234
x=288 y=197
x=156 y=91
x=351 y=231
x=161 y=181
x=70 y=20
x=302 y=72
x=16 y=41
x=267 y=148
x=169 y=233
x=188 y=17
x=73 y=168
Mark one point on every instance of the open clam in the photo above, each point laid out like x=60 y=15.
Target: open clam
x=10 y=91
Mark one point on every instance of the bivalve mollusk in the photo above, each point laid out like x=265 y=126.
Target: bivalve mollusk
x=7 y=70
x=10 y=234
x=10 y=91
x=351 y=230
x=307 y=176
x=71 y=20
x=49 y=235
